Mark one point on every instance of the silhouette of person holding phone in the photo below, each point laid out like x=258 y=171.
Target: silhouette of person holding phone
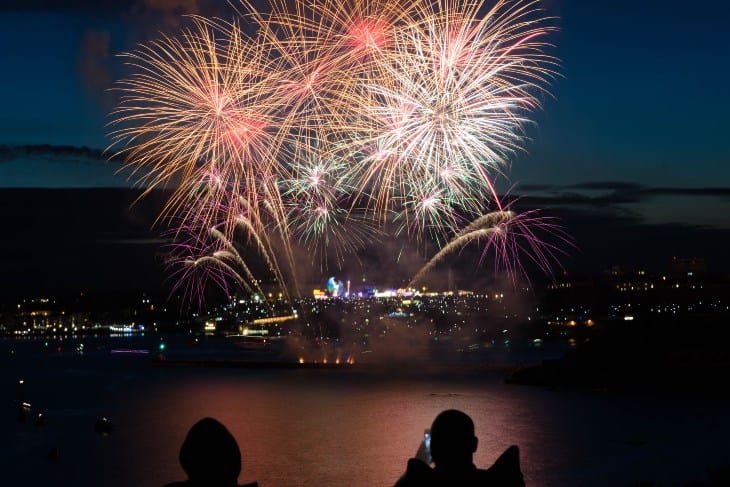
x=452 y=448
x=210 y=457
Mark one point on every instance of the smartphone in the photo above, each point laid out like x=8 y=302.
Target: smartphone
x=424 y=453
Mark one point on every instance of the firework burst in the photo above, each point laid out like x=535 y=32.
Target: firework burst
x=319 y=123
x=455 y=106
x=198 y=116
x=320 y=215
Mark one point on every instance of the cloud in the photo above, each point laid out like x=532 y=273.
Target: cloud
x=574 y=199
x=101 y=38
x=168 y=12
x=716 y=191
x=610 y=193
x=608 y=186
x=90 y=6
x=49 y=166
x=156 y=241
x=624 y=223
x=537 y=187
x=93 y=64
x=104 y=8
x=11 y=152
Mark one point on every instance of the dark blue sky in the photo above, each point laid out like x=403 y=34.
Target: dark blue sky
x=642 y=99
x=643 y=96
x=636 y=129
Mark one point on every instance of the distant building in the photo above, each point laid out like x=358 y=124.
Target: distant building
x=683 y=267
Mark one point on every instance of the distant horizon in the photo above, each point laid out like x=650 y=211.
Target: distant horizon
x=96 y=239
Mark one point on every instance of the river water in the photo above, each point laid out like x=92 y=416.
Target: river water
x=353 y=426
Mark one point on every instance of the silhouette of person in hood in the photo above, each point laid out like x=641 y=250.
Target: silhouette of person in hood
x=210 y=456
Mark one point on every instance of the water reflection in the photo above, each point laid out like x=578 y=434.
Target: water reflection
x=310 y=427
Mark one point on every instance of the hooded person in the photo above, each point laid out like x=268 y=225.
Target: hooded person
x=210 y=456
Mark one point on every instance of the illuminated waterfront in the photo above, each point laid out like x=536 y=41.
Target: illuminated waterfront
x=349 y=423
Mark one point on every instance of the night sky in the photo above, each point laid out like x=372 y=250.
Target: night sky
x=631 y=150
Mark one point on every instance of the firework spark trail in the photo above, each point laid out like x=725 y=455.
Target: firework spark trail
x=228 y=252
x=193 y=265
x=255 y=223
x=251 y=223
x=522 y=238
x=491 y=222
x=508 y=235
x=213 y=258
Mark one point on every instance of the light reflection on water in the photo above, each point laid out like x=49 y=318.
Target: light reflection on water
x=320 y=428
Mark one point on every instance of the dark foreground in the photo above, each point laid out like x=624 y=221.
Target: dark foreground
x=348 y=426
x=673 y=359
